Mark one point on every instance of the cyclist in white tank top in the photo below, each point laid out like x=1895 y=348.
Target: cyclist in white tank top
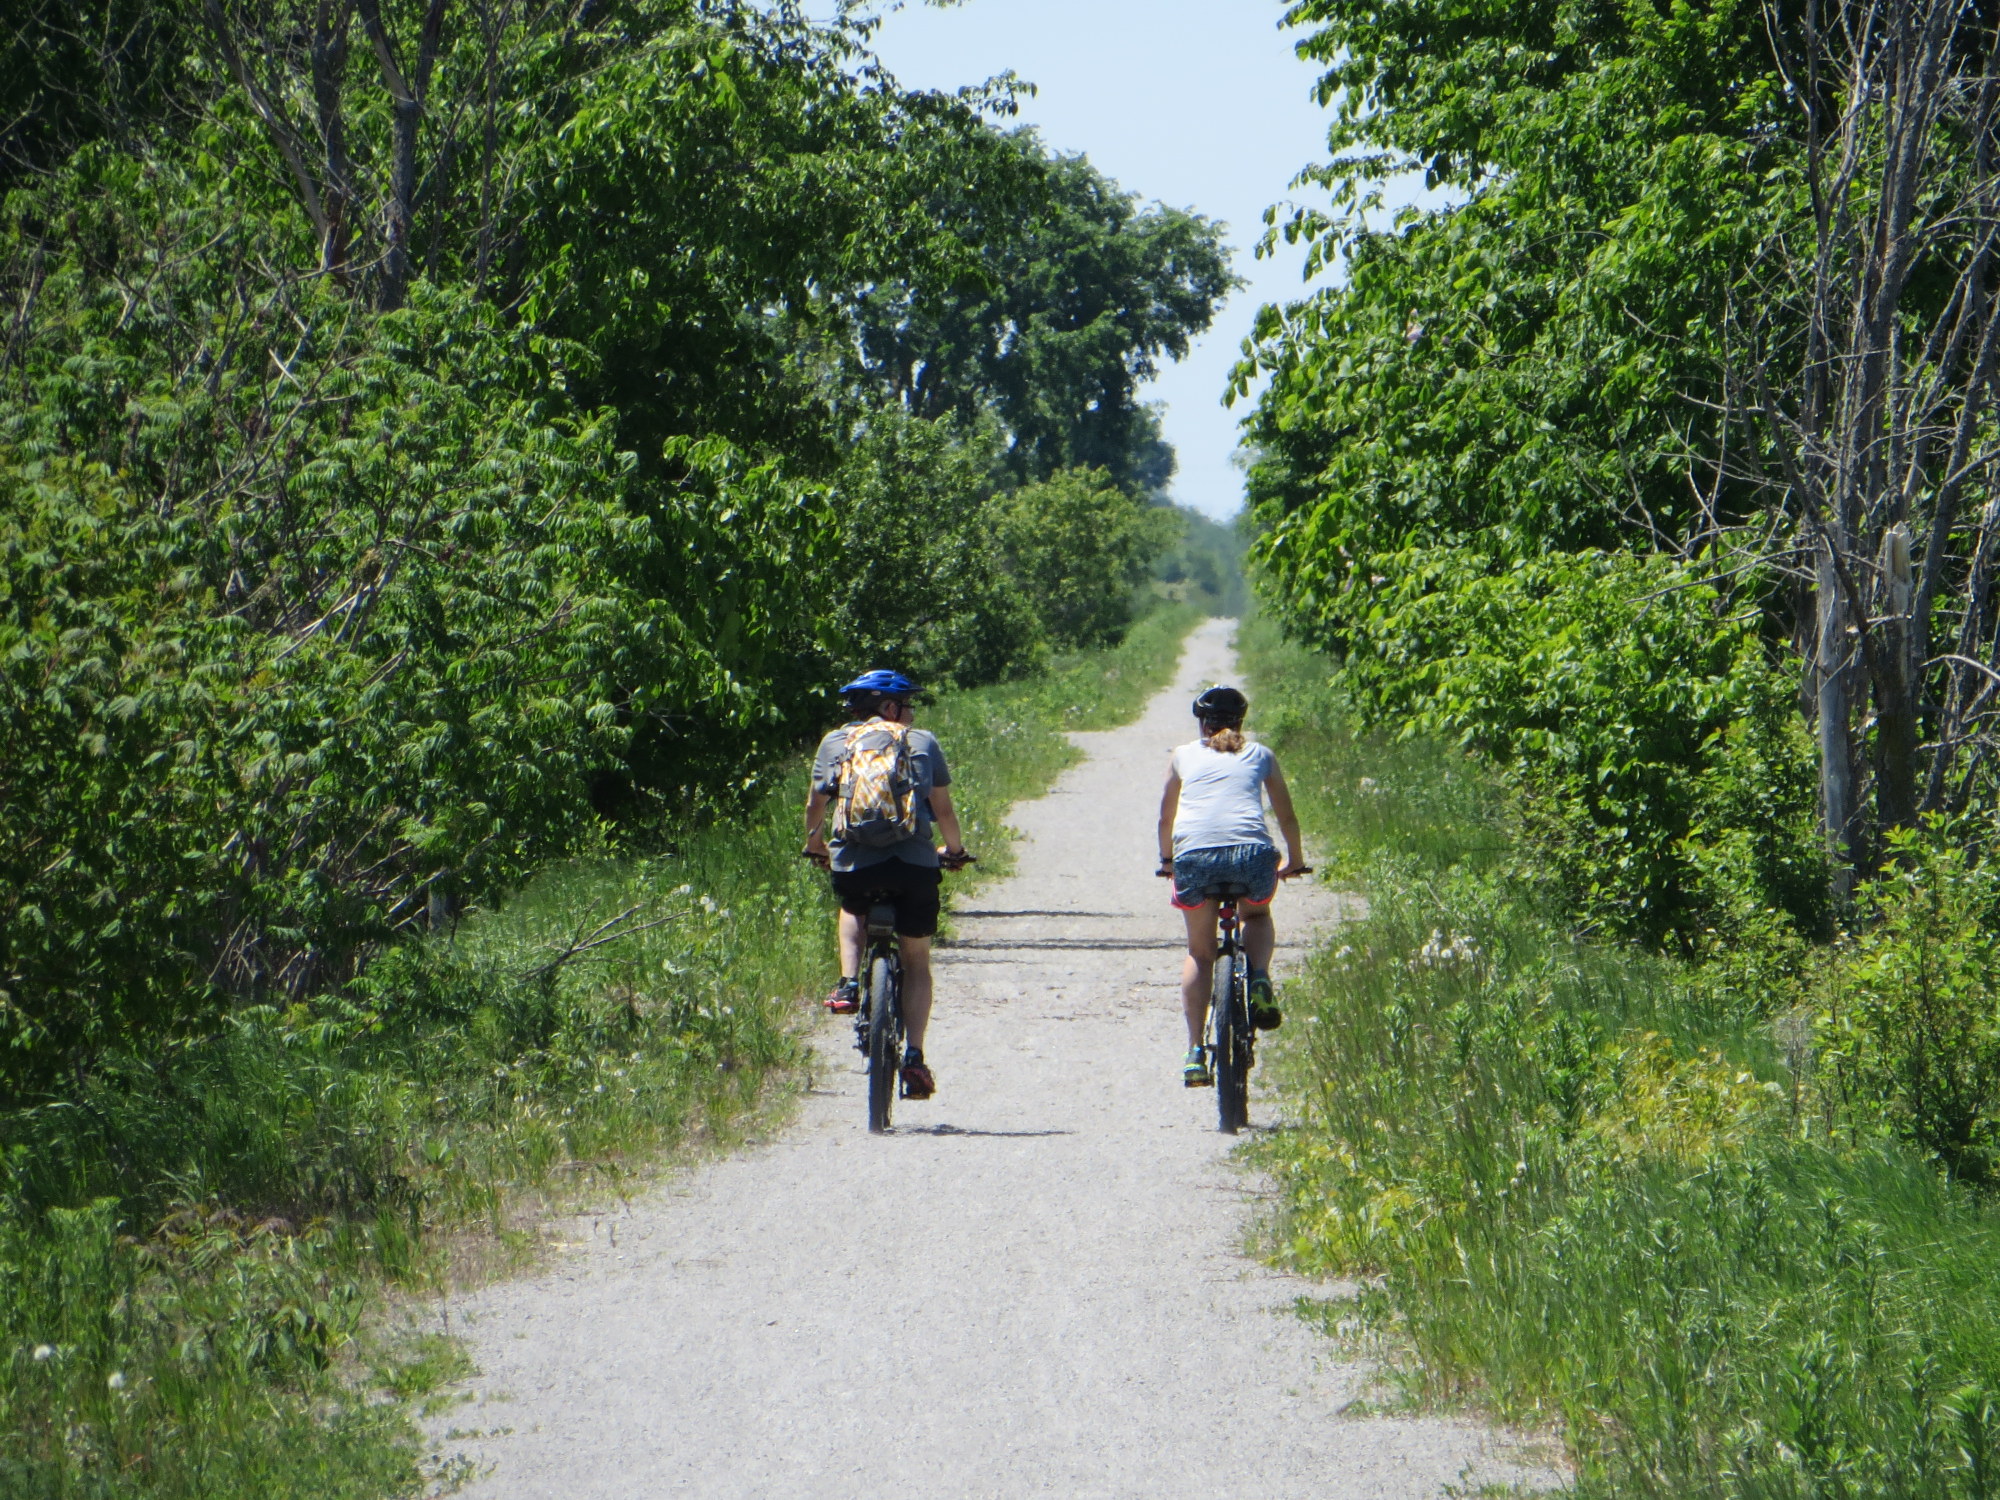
x=1213 y=834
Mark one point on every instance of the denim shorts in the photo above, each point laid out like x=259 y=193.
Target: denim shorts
x=1249 y=872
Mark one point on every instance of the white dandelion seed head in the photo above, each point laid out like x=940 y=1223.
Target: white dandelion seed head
x=115 y=1380
x=44 y=1352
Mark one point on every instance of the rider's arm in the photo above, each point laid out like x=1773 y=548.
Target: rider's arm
x=1288 y=819
x=945 y=816
x=815 y=818
x=1170 y=802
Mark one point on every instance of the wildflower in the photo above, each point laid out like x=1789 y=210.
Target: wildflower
x=115 y=1380
x=1440 y=952
x=729 y=1010
x=44 y=1352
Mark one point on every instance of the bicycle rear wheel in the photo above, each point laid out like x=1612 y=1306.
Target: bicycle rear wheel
x=885 y=1041
x=1229 y=1023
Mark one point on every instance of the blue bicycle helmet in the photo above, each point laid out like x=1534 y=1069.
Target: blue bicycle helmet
x=881 y=680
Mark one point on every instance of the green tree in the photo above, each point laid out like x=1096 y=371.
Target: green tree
x=1078 y=546
x=920 y=583
x=1064 y=316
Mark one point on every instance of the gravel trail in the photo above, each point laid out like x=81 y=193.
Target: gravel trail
x=1033 y=1287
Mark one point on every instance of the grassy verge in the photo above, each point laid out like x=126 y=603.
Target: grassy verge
x=193 y=1245
x=1580 y=1185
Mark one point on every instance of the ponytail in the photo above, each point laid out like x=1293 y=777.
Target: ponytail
x=1227 y=738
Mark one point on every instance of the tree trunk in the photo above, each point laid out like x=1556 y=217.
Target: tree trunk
x=1836 y=762
x=1896 y=770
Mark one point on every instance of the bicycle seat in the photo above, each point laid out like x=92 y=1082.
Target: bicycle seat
x=1228 y=890
x=881 y=916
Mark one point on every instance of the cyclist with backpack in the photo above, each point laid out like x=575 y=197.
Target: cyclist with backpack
x=887 y=786
x=1213 y=837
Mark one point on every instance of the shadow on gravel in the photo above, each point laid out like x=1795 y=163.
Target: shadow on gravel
x=961 y=1130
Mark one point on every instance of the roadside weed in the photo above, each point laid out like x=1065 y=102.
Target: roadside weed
x=1586 y=1184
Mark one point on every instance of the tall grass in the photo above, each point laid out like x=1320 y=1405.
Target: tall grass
x=193 y=1245
x=1578 y=1184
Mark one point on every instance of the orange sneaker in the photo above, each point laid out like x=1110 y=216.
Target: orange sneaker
x=917 y=1080
x=844 y=999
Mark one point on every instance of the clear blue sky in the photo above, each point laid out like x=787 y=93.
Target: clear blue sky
x=1199 y=104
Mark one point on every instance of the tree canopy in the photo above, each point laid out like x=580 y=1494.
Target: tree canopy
x=1710 y=292
x=438 y=433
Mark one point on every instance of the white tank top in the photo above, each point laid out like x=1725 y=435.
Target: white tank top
x=1222 y=797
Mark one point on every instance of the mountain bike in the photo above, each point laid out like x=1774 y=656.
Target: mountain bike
x=878 y=1026
x=1231 y=1039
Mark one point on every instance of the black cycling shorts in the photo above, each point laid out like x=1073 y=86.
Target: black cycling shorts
x=911 y=889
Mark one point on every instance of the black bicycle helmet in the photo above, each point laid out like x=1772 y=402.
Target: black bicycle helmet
x=1221 y=705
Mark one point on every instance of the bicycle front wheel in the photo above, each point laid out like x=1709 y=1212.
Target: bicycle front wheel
x=885 y=1042
x=1229 y=1023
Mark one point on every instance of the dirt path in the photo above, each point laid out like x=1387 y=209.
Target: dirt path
x=1034 y=1287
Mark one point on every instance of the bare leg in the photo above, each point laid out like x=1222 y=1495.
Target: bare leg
x=850 y=944
x=1198 y=969
x=1260 y=936
x=916 y=988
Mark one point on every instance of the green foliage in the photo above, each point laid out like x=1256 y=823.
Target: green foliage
x=1525 y=366
x=1064 y=318
x=252 y=734
x=1506 y=394
x=1907 y=1026
x=333 y=609
x=1581 y=1183
x=1078 y=546
x=1662 y=780
x=919 y=584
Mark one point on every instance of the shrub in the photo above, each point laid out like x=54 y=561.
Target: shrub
x=1662 y=780
x=1908 y=1027
x=1078 y=546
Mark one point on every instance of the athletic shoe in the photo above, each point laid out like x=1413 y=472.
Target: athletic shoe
x=917 y=1080
x=1264 y=1012
x=1194 y=1071
x=845 y=998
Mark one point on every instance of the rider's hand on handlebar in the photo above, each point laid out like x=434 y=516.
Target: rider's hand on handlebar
x=818 y=856
x=1294 y=871
x=956 y=860
x=1166 y=869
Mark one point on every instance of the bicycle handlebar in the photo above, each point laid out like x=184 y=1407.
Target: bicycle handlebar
x=947 y=861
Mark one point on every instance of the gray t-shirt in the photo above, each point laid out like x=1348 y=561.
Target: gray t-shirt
x=1222 y=797
x=927 y=760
